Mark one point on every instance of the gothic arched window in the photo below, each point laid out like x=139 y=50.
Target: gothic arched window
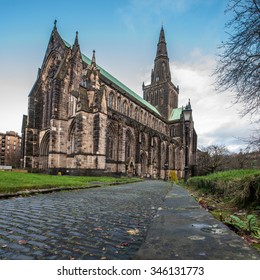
x=72 y=139
x=129 y=145
x=125 y=107
x=72 y=105
x=111 y=142
x=111 y=100
x=136 y=114
x=149 y=120
x=110 y=147
x=119 y=104
x=172 y=131
x=131 y=111
x=145 y=117
x=141 y=116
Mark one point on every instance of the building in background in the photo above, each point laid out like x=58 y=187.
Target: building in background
x=82 y=120
x=10 y=143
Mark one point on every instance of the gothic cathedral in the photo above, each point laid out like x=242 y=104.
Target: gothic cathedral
x=83 y=121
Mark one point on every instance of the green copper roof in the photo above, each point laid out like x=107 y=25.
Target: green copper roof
x=118 y=83
x=176 y=114
x=66 y=44
x=122 y=86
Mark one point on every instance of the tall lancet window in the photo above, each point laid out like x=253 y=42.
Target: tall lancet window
x=72 y=105
x=72 y=140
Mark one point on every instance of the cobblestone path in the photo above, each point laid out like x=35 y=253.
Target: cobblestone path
x=101 y=223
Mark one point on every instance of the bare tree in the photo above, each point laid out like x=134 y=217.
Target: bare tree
x=238 y=67
x=212 y=158
x=253 y=142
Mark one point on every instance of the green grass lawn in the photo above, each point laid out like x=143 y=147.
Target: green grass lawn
x=11 y=182
x=225 y=176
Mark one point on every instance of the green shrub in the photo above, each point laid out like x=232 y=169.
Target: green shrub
x=249 y=225
x=247 y=191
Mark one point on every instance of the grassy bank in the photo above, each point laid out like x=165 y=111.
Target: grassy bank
x=233 y=197
x=241 y=187
x=11 y=182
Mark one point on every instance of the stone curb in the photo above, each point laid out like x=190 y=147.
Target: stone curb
x=70 y=188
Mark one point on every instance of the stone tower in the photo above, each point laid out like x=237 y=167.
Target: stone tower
x=162 y=93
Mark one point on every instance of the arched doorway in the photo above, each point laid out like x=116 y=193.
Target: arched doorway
x=130 y=167
x=44 y=151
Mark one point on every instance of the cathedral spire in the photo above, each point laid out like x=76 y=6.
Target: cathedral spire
x=161 y=71
x=76 y=48
x=161 y=46
x=162 y=93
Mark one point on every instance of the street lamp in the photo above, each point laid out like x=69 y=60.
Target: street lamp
x=187 y=117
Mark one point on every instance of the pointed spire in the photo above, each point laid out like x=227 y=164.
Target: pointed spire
x=93 y=61
x=152 y=76
x=76 y=42
x=94 y=72
x=161 y=46
x=76 y=48
x=188 y=106
x=161 y=63
x=55 y=23
x=162 y=36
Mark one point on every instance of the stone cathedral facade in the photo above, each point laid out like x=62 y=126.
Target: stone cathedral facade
x=82 y=121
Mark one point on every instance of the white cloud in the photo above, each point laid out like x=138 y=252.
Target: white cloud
x=217 y=121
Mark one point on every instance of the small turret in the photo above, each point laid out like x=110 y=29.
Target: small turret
x=76 y=47
x=55 y=23
x=76 y=42
x=188 y=106
x=93 y=61
x=94 y=72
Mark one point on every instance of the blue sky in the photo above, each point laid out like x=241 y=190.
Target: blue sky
x=124 y=35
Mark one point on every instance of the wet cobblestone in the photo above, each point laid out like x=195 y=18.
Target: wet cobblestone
x=102 y=223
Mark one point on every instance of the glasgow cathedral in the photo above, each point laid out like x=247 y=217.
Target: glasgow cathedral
x=83 y=121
